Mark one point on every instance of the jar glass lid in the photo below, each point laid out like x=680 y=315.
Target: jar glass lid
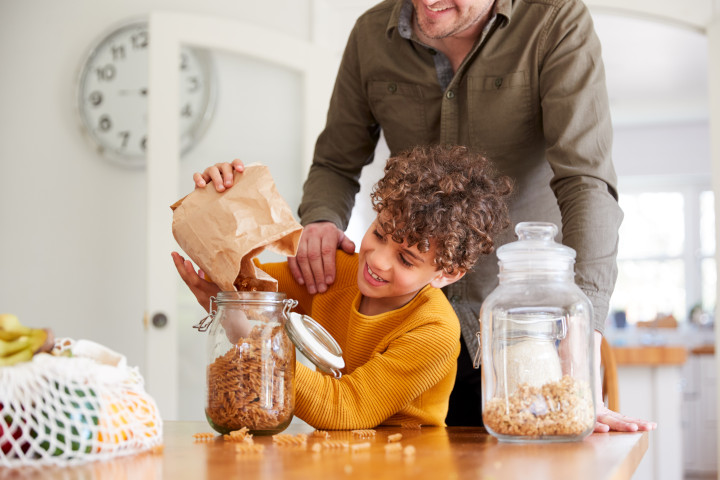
x=535 y=249
x=315 y=343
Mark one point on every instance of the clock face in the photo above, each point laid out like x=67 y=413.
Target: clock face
x=113 y=94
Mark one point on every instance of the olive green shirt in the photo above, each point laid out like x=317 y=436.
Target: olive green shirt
x=531 y=95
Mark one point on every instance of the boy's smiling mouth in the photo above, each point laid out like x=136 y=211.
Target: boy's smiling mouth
x=374 y=275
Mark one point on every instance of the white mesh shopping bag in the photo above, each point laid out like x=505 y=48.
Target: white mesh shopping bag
x=64 y=410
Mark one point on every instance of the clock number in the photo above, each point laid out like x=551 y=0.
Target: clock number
x=118 y=53
x=95 y=98
x=194 y=84
x=186 y=111
x=139 y=40
x=125 y=135
x=183 y=61
x=143 y=143
x=105 y=73
x=105 y=124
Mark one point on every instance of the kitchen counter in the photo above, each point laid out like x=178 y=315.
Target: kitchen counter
x=651 y=355
x=650 y=387
x=454 y=452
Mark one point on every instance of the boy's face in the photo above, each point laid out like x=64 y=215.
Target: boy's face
x=391 y=273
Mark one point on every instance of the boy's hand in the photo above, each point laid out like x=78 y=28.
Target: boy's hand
x=220 y=174
x=314 y=263
x=201 y=288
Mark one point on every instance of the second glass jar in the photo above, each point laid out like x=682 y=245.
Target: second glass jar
x=537 y=344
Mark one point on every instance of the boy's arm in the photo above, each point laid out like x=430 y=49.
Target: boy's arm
x=388 y=382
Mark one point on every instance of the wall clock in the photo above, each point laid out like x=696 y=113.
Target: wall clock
x=112 y=91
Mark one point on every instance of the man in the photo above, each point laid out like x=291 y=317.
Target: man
x=522 y=82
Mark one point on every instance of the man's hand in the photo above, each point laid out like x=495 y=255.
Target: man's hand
x=608 y=420
x=220 y=174
x=201 y=288
x=314 y=263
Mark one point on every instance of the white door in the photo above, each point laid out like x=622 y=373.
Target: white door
x=299 y=76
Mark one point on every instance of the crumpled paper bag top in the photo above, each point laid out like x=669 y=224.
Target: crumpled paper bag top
x=222 y=232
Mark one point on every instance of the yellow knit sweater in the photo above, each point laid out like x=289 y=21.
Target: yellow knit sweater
x=399 y=366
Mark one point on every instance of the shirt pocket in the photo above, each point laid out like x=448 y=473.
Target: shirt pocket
x=500 y=111
x=400 y=111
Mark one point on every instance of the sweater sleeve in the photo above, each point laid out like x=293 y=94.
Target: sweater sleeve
x=411 y=365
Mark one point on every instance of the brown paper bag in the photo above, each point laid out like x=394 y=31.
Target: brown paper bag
x=223 y=232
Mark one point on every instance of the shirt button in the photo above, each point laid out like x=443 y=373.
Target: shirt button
x=450 y=94
x=454 y=299
x=392 y=88
x=498 y=82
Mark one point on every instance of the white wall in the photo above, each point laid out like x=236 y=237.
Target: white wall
x=72 y=227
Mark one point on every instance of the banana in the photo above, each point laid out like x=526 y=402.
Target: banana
x=10 y=335
x=19 y=343
x=37 y=339
x=10 y=323
x=12 y=347
x=21 y=356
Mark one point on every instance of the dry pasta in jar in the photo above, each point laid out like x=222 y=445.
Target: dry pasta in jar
x=251 y=364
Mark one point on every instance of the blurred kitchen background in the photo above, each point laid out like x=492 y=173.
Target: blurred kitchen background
x=77 y=235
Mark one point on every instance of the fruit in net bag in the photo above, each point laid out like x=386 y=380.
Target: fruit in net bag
x=73 y=428
x=9 y=432
x=19 y=343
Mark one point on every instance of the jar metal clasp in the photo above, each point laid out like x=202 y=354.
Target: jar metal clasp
x=288 y=304
x=204 y=324
x=478 y=353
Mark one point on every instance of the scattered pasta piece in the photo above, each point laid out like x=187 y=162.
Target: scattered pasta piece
x=286 y=439
x=243 y=432
x=321 y=433
x=356 y=447
x=394 y=437
x=239 y=436
x=335 y=445
x=244 y=448
x=157 y=449
x=316 y=447
x=409 y=451
x=237 y=439
x=411 y=425
x=367 y=433
x=393 y=447
x=203 y=436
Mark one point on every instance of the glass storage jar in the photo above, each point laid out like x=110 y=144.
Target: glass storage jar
x=536 y=343
x=251 y=360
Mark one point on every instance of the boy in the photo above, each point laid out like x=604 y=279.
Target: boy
x=438 y=209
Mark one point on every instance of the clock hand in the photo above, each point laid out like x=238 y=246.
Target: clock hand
x=142 y=91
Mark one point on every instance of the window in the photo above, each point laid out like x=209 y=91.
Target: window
x=666 y=263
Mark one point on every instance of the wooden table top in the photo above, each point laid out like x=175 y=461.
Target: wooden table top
x=440 y=453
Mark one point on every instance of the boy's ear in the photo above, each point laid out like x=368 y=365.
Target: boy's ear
x=443 y=279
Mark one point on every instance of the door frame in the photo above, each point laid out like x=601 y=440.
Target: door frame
x=169 y=30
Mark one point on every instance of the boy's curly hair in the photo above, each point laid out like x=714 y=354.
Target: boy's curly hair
x=446 y=194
